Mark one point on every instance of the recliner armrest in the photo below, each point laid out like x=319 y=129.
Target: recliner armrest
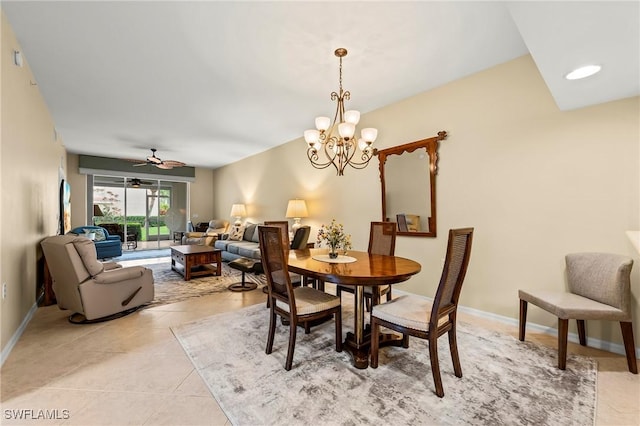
x=119 y=274
x=108 y=266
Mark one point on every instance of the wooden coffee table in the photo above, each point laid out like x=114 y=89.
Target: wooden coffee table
x=196 y=261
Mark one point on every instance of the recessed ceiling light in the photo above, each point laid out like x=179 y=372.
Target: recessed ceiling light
x=583 y=72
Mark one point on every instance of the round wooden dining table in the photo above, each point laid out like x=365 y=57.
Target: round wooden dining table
x=357 y=269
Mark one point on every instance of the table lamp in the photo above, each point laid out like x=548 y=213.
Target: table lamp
x=296 y=209
x=238 y=211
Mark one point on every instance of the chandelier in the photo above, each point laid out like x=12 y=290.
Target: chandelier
x=336 y=139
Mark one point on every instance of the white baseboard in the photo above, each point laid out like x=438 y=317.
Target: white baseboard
x=573 y=337
x=16 y=336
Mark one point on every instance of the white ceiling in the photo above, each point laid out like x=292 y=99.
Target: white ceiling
x=208 y=83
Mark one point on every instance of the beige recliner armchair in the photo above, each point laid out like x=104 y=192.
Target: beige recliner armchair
x=93 y=290
x=209 y=237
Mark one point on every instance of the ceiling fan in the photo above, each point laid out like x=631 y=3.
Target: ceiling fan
x=159 y=163
x=137 y=183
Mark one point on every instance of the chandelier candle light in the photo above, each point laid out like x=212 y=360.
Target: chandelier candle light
x=340 y=149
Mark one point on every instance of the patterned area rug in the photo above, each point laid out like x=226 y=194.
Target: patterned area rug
x=505 y=382
x=170 y=287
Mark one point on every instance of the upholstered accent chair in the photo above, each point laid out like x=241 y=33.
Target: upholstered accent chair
x=209 y=236
x=382 y=240
x=107 y=245
x=416 y=316
x=298 y=305
x=91 y=289
x=598 y=289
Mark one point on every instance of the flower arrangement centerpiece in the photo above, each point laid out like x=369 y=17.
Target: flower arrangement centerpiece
x=333 y=236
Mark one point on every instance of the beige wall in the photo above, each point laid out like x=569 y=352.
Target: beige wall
x=534 y=181
x=201 y=196
x=31 y=159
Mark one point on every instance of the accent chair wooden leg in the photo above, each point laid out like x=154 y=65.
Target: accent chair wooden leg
x=435 y=365
x=582 y=333
x=629 y=346
x=523 y=319
x=563 y=331
x=375 y=340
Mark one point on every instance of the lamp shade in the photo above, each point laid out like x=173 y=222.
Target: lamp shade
x=296 y=209
x=97 y=211
x=238 y=210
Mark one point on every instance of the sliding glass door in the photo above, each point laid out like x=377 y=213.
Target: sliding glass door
x=145 y=213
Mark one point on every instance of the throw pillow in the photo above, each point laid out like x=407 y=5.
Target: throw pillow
x=249 y=229
x=237 y=232
x=99 y=235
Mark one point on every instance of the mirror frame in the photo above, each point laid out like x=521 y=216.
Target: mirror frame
x=431 y=145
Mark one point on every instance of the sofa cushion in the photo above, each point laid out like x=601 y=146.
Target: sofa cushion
x=235 y=246
x=237 y=232
x=251 y=251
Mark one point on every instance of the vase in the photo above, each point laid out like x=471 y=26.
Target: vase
x=333 y=252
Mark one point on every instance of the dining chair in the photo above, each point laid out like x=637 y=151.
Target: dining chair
x=282 y=224
x=299 y=305
x=416 y=316
x=382 y=240
x=599 y=289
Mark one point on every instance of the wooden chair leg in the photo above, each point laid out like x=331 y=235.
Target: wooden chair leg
x=405 y=341
x=435 y=365
x=582 y=333
x=272 y=331
x=629 y=346
x=523 y=319
x=292 y=343
x=563 y=331
x=338 y=320
x=375 y=341
x=453 y=348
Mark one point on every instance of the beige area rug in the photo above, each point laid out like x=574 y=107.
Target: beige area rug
x=170 y=287
x=505 y=382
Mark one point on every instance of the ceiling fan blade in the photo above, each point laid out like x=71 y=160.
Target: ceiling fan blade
x=164 y=166
x=173 y=163
x=141 y=164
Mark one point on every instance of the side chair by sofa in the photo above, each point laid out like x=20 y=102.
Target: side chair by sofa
x=599 y=289
x=298 y=305
x=94 y=291
x=382 y=240
x=415 y=316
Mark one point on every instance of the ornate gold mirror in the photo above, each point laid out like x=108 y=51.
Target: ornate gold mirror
x=408 y=178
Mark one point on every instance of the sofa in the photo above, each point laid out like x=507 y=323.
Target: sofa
x=209 y=236
x=244 y=242
x=107 y=245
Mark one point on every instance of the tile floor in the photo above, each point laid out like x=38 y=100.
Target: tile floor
x=133 y=371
